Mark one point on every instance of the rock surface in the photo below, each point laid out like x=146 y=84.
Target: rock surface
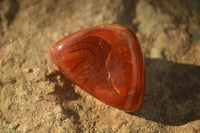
x=36 y=97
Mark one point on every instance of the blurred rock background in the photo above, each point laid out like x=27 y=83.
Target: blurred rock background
x=36 y=97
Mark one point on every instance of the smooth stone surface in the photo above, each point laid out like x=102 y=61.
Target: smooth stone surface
x=106 y=61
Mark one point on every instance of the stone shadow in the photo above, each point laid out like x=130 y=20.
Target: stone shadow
x=63 y=87
x=172 y=94
x=64 y=91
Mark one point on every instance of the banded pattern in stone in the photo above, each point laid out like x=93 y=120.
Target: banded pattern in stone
x=106 y=61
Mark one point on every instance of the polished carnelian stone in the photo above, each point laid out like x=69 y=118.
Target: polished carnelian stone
x=106 y=61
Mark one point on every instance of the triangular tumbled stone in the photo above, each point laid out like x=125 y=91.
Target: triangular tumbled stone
x=106 y=61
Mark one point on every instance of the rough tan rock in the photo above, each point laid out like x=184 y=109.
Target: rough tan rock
x=36 y=97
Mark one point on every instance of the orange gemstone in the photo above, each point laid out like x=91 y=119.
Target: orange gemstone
x=106 y=61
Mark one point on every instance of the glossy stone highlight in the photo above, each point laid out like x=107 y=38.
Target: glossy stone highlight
x=106 y=61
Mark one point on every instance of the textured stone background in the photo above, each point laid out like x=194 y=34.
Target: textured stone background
x=36 y=97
